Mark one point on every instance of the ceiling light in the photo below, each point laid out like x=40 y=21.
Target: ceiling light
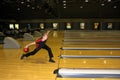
x=28 y=5
x=64 y=1
x=18 y=9
x=22 y=2
x=102 y=4
x=33 y=7
x=81 y=6
x=64 y=7
x=86 y=0
x=114 y=6
x=64 y=4
x=28 y=0
x=109 y=0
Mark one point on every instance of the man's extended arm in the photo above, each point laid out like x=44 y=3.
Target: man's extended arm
x=33 y=43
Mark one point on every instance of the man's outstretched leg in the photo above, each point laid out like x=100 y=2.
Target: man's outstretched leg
x=30 y=53
x=49 y=53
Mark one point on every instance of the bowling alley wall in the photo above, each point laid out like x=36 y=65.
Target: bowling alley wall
x=61 y=24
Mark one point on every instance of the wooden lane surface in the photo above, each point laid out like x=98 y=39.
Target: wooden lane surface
x=37 y=67
x=95 y=44
x=91 y=43
x=92 y=34
x=34 y=67
x=87 y=79
x=91 y=39
x=78 y=32
x=91 y=52
x=91 y=31
x=89 y=63
x=92 y=46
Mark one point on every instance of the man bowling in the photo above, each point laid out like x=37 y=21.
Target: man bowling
x=40 y=44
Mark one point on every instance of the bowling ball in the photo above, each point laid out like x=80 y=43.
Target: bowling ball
x=26 y=49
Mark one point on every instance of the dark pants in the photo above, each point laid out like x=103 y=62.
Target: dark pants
x=44 y=46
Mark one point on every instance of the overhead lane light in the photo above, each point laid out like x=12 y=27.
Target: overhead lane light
x=64 y=7
x=64 y=1
x=102 y=4
x=109 y=0
x=86 y=0
x=22 y=2
x=81 y=6
x=28 y=5
x=64 y=4
x=114 y=6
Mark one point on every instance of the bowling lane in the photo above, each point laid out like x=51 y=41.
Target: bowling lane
x=107 y=44
x=91 y=43
x=91 y=52
x=89 y=63
x=35 y=67
x=78 y=33
x=87 y=79
x=92 y=46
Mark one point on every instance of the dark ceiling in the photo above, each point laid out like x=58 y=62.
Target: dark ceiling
x=47 y=9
